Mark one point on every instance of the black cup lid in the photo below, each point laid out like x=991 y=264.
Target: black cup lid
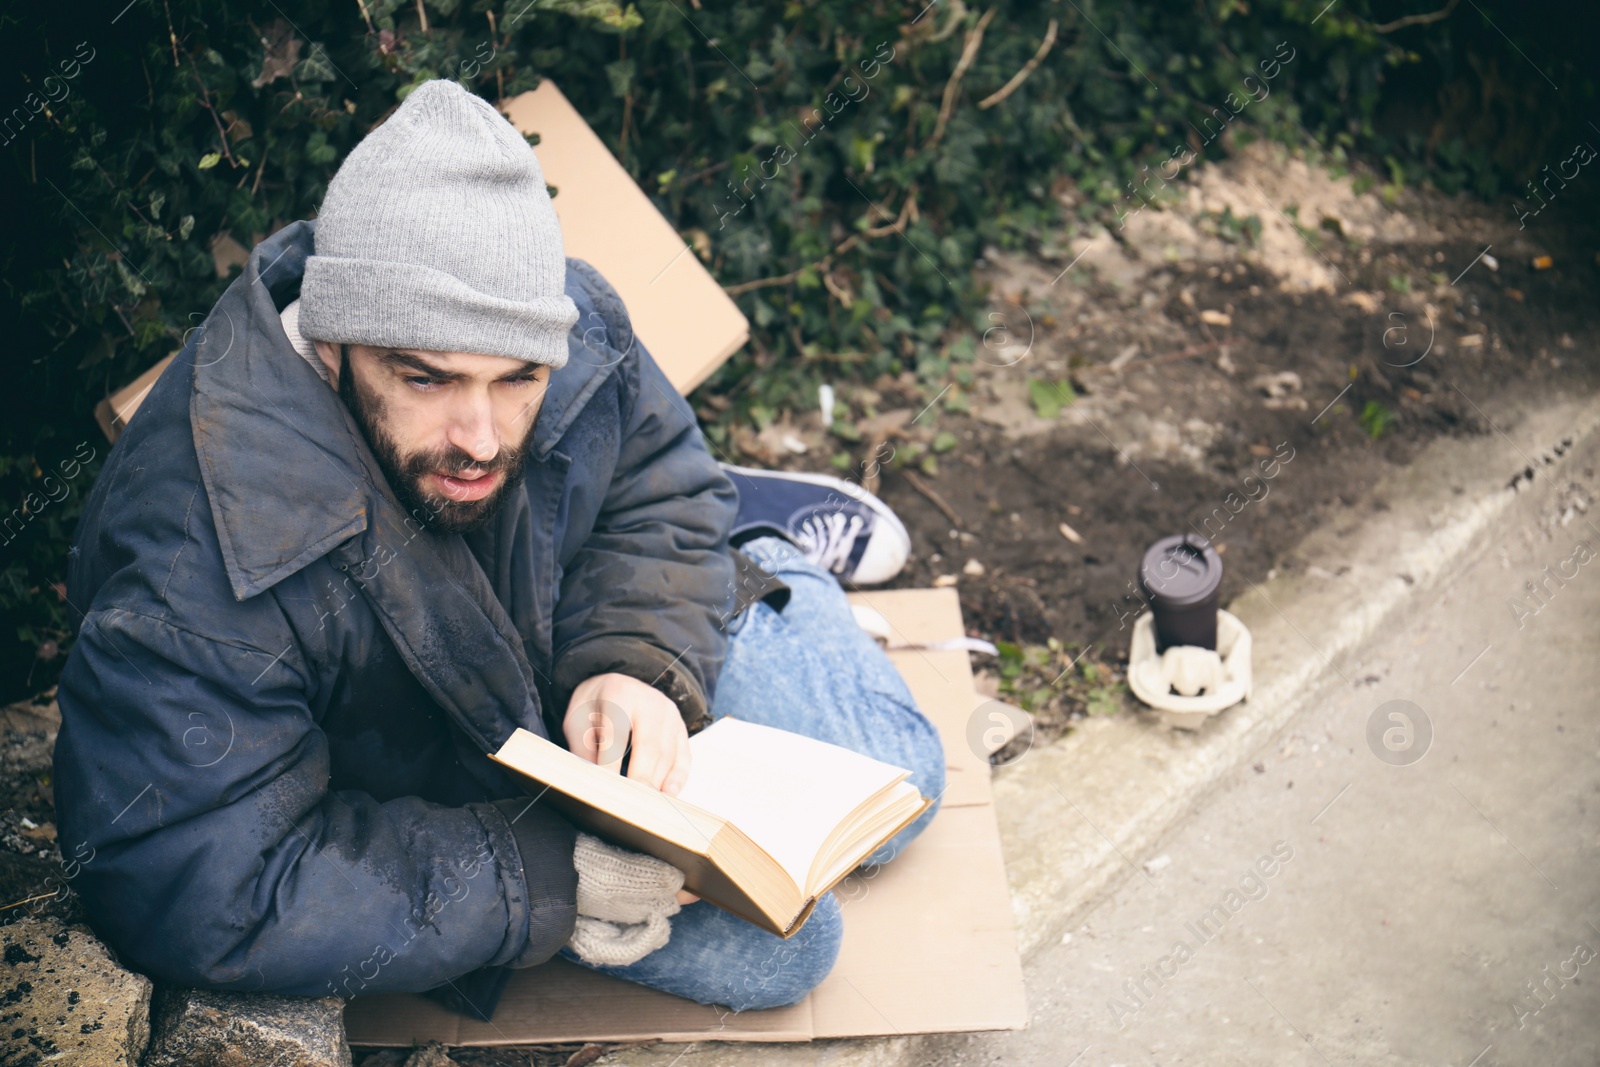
x=1180 y=571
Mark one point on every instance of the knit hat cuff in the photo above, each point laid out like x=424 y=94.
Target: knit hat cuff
x=401 y=305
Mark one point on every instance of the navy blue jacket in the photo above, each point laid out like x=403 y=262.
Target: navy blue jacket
x=271 y=771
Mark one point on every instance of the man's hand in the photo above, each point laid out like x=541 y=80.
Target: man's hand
x=609 y=710
x=612 y=714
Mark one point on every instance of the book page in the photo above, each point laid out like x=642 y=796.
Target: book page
x=785 y=791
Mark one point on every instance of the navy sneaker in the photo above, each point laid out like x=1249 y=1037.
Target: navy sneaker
x=838 y=525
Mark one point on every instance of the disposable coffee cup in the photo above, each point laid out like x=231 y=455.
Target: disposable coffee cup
x=1181 y=578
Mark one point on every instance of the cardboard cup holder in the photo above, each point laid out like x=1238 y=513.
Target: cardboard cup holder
x=1188 y=684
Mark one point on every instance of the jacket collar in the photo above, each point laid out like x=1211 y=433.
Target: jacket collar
x=281 y=457
x=285 y=466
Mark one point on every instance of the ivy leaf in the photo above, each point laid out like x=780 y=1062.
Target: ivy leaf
x=318 y=150
x=209 y=160
x=620 y=75
x=134 y=285
x=282 y=51
x=1049 y=397
x=316 y=67
x=862 y=153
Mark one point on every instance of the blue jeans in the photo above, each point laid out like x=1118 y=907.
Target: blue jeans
x=810 y=670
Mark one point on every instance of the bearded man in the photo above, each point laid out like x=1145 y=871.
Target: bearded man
x=414 y=485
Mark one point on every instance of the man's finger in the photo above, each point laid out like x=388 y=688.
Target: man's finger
x=577 y=736
x=678 y=776
x=645 y=764
x=597 y=730
x=653 y=757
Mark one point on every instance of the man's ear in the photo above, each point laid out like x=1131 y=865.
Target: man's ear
x=329 y=354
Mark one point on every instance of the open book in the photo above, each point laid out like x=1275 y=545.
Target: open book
x=768 y=822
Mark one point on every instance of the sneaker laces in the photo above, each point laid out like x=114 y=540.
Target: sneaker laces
x=827 y=538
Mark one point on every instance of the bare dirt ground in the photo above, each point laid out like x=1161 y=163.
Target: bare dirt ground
x=1247 y=389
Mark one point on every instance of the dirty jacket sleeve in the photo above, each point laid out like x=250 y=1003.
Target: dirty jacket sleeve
x=192 y=787
x=650 y=589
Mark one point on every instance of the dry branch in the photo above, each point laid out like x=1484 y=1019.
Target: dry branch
x=969 y=52
x=1022 y=75
x=1417 y=20
x=908 y=213
x=933 y=498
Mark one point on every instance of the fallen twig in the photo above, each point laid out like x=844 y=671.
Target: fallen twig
x=1022 y=75
x=933 y=498
x=30 y=900
x=871 y=474
x=1170 y=357
x=591 y=1052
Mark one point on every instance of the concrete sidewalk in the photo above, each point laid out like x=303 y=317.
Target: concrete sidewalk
x=1396 y=930
x=1429 y=897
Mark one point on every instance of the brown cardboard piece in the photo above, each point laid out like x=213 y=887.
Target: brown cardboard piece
x=680 y=313
x=929 y=944
x=920 y=616
x=113 y=412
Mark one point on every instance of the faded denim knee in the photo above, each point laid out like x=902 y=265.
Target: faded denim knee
x=784 y=972
x=926 y=762
x=715 y=957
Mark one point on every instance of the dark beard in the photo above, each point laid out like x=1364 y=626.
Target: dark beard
x=405 y=473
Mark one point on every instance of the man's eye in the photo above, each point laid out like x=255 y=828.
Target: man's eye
x=425 y=384
x=530 y=380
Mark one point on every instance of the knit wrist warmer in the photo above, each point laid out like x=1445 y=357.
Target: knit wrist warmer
x=624 y=899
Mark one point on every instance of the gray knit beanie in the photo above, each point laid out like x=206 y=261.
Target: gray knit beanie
x=437 y=233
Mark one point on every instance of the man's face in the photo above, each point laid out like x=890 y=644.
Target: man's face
x=449 y=429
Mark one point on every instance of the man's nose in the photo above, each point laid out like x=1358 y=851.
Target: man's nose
x=473 y=432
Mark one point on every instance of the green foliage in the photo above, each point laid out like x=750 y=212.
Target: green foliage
x=1375 y=418
x=821 y=157
x=1231 y=228
x=1054 y=682
x=1021 y=674
x=1049 y=397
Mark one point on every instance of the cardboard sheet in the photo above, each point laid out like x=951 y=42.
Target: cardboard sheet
x=938 y=681
x=114 y=411
x=678 y=310
x=929 y=943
